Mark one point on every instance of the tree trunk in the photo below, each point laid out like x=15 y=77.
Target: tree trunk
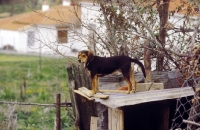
x=109 y=30
x=162 y=7
x=147 y=60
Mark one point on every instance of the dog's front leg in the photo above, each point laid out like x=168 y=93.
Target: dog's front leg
x=94 y=84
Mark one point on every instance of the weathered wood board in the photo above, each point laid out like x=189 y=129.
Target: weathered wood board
x=116 y=100
x=115 y=119
x=93 y=123
x=87 y=94
x=140 y=86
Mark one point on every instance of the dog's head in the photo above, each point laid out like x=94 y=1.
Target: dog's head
x=85 y=56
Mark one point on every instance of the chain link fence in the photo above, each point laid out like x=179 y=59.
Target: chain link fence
x=187 y=112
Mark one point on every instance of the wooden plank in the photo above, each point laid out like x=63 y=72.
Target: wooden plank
x=100 y=95
x=112 y=88
x=86 y=91
x=109 y=118
x=82 y=94
x=115 y=119
x=116 y=100
x=113 y=91
x=140 y=88
x=121 y=120
x=93 y=123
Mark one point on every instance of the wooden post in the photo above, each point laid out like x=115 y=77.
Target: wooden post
x=93 y=123
x=115 y=119
x=71 y=81
x=58 y=120
x=83 y=108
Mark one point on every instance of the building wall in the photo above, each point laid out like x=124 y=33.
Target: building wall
x=8 y=38
x=46 y=41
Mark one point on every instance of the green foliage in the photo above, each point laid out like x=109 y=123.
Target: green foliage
x=8 y=94
x=22 y=6
x=32 y=119
x=19 y=76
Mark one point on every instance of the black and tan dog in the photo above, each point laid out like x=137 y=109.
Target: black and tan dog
x=102 y=66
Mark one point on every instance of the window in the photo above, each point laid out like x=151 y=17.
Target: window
x=31 y=36
x=62 y=36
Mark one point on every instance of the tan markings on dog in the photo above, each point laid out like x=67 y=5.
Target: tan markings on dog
x=129 y=86
x=94 y=84
x=133 y=81
x=83 y=57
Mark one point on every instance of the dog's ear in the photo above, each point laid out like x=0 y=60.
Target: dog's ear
x=90 y=56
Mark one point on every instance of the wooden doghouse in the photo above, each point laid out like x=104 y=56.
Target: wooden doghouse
x=145 y=110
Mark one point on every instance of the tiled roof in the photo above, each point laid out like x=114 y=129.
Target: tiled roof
x=176 y=6
x=59 y=15
x=56 y=15
x=183 y=7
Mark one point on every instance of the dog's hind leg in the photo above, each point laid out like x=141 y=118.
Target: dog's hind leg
x=129 y=85
x=126 y=70
x=132 y=78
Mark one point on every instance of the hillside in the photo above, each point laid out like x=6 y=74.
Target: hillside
x=13 y=7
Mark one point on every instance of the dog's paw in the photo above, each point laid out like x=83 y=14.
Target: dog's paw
x=127 y=92
x=133 y=91
x=92 y=93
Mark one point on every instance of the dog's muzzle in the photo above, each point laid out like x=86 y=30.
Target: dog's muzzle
x=79 y=61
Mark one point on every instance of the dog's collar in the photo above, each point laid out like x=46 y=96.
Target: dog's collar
x=89 y=62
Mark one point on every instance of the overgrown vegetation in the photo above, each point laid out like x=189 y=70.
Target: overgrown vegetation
x=21 y=80
x=13 y=7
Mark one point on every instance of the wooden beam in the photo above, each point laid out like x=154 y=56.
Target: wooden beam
x=140 y=88
x=93 y=123
x=82 y=94
x=113 y=91
x=85 y=91
x=115 y=119
x=100 y=95
x=119 y=100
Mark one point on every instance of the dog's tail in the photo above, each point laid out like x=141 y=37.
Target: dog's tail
x=140 y=64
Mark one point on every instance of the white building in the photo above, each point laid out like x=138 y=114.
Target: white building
x=46 y=31
x=56 y=28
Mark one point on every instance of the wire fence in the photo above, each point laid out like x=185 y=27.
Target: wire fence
x=187 y=112
x=35 y=116
x=28 y=93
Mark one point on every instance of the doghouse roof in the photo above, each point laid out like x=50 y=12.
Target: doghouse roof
x=121 y=99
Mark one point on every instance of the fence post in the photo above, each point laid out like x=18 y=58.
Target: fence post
x=58 y=120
